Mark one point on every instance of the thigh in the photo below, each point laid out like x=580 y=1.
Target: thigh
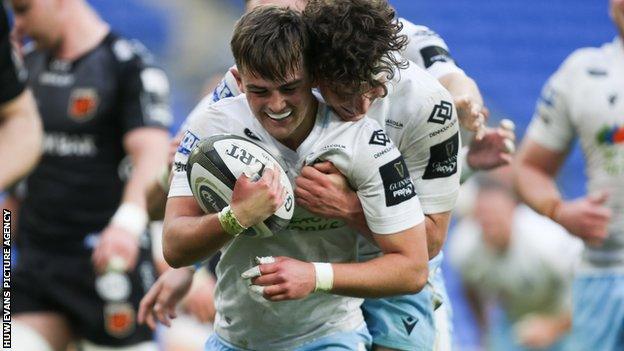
x=403 y=322
x=353 y=340
x=598 y=312
x=103 y=311
x=51 y=326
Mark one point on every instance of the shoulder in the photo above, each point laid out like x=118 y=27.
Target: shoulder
x=416 y=31
x=583 y=62
x=423 y=92
x=222 y=111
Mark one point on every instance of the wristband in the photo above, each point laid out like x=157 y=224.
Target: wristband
x=324 y=276
x=130 y=217
x=229 y=222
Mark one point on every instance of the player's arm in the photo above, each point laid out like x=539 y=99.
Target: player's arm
x=190 y=236
x=147 y=148
x=535 y=169
x=21 y=137
x=144 y=117
x=402 y=269
x=429 y=51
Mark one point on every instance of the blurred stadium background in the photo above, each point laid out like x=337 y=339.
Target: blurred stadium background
x=509 y=47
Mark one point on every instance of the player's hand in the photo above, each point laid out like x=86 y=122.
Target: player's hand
x=586 y=217
x=255 y=201
x=472 y=115
x=115 y=241
x=495 y=149
x=539 y=332
x=199 y=301
x=284 y=279
x=160 y=301
x=324 y=191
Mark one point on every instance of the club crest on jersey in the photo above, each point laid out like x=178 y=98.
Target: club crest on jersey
x=83 y=103
x=119 y=319
x=441 y=113
x=379 y=138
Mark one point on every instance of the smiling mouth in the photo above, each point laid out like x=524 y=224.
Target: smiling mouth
x=279 y=116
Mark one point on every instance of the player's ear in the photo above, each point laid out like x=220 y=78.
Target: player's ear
x=237 y=76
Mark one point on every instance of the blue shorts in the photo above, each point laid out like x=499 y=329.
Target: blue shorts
x=406 y=322
x=356 y=340
x=598 y=312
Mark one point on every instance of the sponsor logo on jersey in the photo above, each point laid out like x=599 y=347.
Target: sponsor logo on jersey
x=433 y=54
x=56 y=79
x=597 y=72
x=441 y=113
x=62 y=144
x=383 y=152
x=333 y=147
x=83 y=103
x=409 y=323
x=250 y=134
x=396 y=181
x=188 y=143
x=610 y=135
x=312 y=223
x=379 y=138
x=443 y=129
x=119 y=319
x=179 y=167
x=443 y=159
x=222 y=91
x=394 y=124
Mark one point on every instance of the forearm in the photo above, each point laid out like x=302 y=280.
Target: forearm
x=537 y=189
x=388 y=275
x=460 y=85
x=190 y=239
x=20 y=138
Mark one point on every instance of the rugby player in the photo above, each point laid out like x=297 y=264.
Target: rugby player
x=104 y=106
x=502 y=248
x=322 y=199
x=280 y=112
x=20 y=126
x=583 y=99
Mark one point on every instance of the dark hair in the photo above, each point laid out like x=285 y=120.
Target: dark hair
x=270 y=42
x=352 y=41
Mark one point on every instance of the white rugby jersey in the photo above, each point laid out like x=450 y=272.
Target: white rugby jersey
x=585 y=99
x=541 y=259
x=428 y=50
x=374 y=167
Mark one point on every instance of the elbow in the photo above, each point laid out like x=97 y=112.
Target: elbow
x=170 y=253
x=419 y=274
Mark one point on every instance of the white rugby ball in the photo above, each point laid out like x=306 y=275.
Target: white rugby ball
x=215 y=164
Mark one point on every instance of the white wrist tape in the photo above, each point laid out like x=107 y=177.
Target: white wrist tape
x=131 y=218
x=324 y=276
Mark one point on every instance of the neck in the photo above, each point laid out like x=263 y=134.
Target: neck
x=304 y=128
x=83 y=31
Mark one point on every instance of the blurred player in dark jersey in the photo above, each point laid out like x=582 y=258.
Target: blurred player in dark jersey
x=105 y=115
x=20 y=127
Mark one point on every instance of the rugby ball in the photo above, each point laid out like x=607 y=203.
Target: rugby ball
x=215 y=164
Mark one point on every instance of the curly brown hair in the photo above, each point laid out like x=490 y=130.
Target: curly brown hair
x=270 y=42
x=352 y=42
